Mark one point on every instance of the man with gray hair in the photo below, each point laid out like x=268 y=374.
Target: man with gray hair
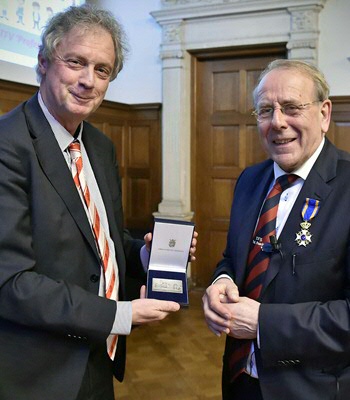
x=281 y=292
x=64 y=252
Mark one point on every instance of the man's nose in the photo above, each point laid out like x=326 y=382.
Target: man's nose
x=87 y=77
x=278 y=119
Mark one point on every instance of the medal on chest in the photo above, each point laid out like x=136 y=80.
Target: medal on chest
x=308 y=212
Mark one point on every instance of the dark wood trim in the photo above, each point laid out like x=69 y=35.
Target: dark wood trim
x=17 y=87
x=21 y=92
x=340 y=100
x=341 y=108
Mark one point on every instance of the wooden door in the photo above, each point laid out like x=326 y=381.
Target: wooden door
x=225 y=141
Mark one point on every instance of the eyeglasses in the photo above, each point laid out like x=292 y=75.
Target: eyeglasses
x=289 y=109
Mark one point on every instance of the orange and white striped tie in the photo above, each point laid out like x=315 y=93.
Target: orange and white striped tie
x=108 y=263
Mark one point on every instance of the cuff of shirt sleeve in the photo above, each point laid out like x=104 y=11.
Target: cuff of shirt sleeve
x=222 y=276
x=144 y=255
x=123 y=318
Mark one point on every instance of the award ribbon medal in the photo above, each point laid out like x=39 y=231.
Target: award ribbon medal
x=308 y=212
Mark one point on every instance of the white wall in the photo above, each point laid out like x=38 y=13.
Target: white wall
x=334 y=47
x=17 y=73
x=140 y=80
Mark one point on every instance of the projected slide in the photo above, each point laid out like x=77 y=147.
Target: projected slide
x=21 y=22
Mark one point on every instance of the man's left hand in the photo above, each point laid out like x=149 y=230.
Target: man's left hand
x=244 y=321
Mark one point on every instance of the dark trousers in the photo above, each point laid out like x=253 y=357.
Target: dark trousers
x=97 y=382
x=243 y=388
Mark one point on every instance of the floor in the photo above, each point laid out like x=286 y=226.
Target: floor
x=176 y=359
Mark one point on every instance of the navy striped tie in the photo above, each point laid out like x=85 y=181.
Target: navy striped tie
x=258 y=262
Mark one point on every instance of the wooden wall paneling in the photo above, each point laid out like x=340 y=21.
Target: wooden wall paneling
x=339 y=130
x=139 y=166
x=116 y=132
x=135 y=131
x=12 y=94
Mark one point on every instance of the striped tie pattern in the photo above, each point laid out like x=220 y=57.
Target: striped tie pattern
x=258 y=262
x=108 y=262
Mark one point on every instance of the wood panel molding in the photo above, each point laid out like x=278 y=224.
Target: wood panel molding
x=339 y=129
x=136 y=133
x=341 y=106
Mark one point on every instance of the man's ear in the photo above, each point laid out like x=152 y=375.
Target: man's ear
x=42 y=64
x=326 y=111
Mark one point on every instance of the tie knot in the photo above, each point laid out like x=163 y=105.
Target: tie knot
x=74 y=149
x=283 y=182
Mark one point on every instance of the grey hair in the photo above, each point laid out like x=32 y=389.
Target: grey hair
x=85 y=17
x=320 y=83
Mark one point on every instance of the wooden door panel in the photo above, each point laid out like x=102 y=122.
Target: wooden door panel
x=254 y=151
x=225 y=142
x=222 y=193
x=216 y=239
x=225 y=97
x=339 y=134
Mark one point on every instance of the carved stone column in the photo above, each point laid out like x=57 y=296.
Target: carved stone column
x=303 y=43
x=175 y=125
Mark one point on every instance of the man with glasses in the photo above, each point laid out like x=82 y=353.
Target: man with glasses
x=281 y=292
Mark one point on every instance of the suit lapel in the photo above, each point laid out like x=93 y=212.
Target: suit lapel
x=252 y=205
x=55 y=167
x=315 y=187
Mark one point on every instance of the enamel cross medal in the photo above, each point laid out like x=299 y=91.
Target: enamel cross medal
x=308 y=212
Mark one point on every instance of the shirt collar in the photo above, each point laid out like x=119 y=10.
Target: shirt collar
x=305 y=169
x=63 y=137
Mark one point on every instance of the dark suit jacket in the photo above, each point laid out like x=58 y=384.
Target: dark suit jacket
x=304 y=319
x=50 y=313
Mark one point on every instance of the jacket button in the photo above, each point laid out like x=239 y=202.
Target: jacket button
x=94 y=278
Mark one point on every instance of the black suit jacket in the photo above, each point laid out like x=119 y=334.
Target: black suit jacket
x=304 y=319
x=50 y=311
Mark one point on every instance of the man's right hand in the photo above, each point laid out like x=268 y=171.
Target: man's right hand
x=217 y=312
x=151 y=310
